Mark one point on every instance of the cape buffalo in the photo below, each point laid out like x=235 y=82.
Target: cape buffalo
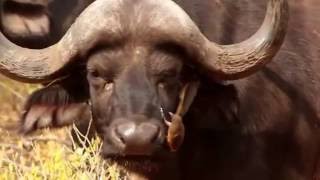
x=250 y=119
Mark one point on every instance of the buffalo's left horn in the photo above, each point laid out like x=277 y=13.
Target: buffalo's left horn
x=41 y=65
x=229 y=62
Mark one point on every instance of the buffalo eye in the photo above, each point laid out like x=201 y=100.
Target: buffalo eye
x=166 y=79
x=163 y=83
x=94 y=74
x=98 y=80
x=95 y=78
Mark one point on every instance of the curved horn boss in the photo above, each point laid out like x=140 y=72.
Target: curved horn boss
x=100 y=22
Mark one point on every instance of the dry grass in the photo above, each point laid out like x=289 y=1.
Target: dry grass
x=44 y=154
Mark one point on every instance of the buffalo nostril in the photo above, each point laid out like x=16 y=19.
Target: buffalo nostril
x=125 y=131
x=150 y=131
x=119 y=136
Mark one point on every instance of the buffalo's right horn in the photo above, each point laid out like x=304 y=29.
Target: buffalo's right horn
x=225 y=62
x=228 y=62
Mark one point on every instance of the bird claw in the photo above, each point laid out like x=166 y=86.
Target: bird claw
x=167 y=122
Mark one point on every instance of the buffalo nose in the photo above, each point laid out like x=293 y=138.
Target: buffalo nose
x=136 y=139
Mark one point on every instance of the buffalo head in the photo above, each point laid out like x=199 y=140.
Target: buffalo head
x=138 y=57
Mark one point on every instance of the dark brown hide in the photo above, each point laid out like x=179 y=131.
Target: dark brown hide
x=276 y=134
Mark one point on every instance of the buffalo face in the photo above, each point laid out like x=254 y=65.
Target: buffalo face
x=128 y=86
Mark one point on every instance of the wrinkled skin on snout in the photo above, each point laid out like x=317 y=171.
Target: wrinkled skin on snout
x=40 y=23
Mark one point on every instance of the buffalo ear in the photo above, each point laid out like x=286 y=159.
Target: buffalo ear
x=71 y=89
x=56 y=105
x=42 y=116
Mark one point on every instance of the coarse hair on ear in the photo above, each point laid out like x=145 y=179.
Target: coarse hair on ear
x=56 y=105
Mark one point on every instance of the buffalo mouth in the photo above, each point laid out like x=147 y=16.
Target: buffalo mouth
x=25 y=23
x=143 y=165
